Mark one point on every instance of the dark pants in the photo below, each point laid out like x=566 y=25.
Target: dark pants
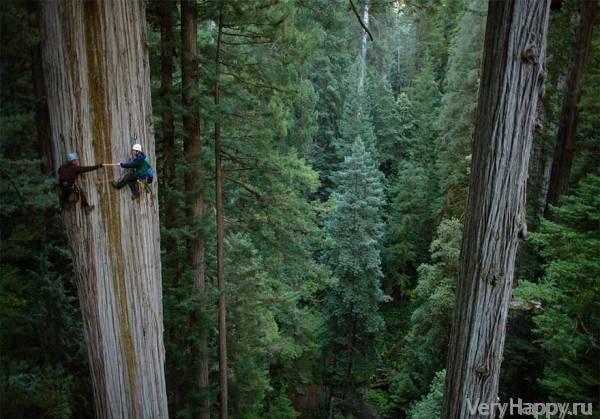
x=71 y=193
x=131 y=180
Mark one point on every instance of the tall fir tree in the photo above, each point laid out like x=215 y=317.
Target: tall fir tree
x=354 y=230
x=457 y=112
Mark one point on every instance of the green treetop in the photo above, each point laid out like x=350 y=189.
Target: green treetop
x=354 y=230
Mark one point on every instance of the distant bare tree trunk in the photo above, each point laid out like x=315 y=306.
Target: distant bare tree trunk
x=167 y=54
x=567 y=128
x=363 y=48
x=194 y=180
x=514 y=54
x=545 y=185
x=166 y=12
x=222 y=313
x=98 y=85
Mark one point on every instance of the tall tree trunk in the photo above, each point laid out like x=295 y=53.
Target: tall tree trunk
x=363 y=48
x=567 y=128
x=166 y=13
x=194 y=182
x=514 y=54
x=223 y=393
x=167 y=133
x=545 y=184
x=350 y=336
x=98 y=85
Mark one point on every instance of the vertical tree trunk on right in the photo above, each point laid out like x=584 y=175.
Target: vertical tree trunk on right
x=513 y=68
x=194 y=184
x=567 y=128
x=167 y=132
x=223 y=391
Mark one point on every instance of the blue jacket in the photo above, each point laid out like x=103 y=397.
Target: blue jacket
x=141 y=166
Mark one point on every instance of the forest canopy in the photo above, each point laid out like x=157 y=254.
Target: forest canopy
x=294 y=236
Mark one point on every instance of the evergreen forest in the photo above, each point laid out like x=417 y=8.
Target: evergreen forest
x=352 y=209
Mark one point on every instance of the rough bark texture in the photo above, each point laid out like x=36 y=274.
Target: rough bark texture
x=194 y=183
x=567 y=128
x=514 y=53
x=98 y=85
x=223 y=392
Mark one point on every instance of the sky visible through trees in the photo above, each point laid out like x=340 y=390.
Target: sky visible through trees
x=320 y=202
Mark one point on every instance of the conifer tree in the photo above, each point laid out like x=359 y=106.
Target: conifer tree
x=424 y=347
x=414 y=189
x=387 y=122
x=567 y=294
x=354 y=230
x=457 y=112
x=355 y=120
x=567 y=127
x=426 y=101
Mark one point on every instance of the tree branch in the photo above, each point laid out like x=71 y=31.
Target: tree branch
x=360 y=19
x=246 y=187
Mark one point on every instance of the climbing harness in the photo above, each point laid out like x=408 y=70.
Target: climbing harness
x=68 y=193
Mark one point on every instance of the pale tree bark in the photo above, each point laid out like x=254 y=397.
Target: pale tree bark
x=98 y=87
x=194 y=183
x=363 y=48
x=513 y=72
x=567 y=127
x=545 y=184
x=222 y=310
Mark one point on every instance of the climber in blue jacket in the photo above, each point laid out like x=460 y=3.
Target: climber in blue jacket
x=140 y=169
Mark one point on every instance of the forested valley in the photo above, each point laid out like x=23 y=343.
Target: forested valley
x=352 y=208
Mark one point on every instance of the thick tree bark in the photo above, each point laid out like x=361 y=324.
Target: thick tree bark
x=514 y=54
x=567 y=128
x=98 y=86
x=223 y=392
x=194 y=181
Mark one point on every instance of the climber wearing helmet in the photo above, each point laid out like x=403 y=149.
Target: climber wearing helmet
x=70 y=192
x=140 y=169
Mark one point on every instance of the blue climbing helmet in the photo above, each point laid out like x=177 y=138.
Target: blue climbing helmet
x=72 y=156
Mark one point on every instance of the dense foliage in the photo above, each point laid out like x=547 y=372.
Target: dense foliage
x=344 y=195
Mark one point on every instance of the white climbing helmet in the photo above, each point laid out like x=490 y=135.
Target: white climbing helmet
x=137 y=147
